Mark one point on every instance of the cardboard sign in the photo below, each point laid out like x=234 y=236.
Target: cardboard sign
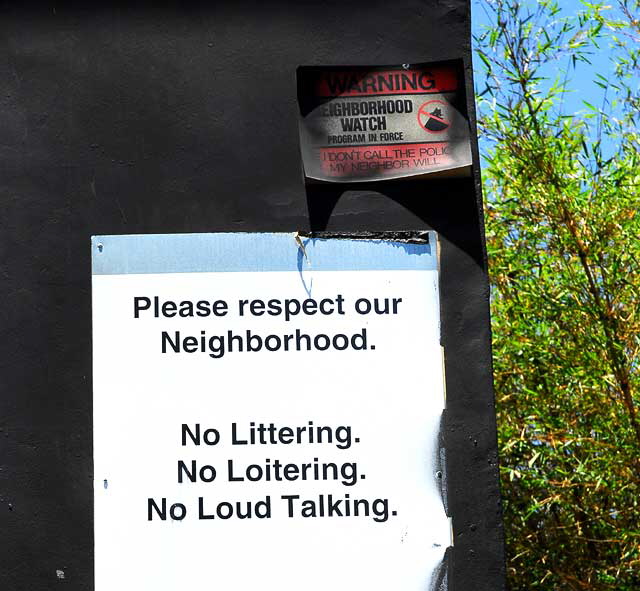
x=266 y=413
x=375 y=123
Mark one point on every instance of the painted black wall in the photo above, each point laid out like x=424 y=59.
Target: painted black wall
x=136 y=120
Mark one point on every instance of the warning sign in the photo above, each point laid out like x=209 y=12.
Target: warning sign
x=374 y=123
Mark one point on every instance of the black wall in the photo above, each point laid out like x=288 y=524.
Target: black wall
x=151 y=120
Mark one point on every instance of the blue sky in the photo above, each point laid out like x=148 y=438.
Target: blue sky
x=581 y=78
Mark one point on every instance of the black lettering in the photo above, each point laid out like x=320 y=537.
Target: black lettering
x=209 y=437
x=140 y=304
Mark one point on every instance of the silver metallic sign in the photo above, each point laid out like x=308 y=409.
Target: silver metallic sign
x=374 y=123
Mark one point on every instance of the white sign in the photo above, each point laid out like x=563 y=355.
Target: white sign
x=266 y=413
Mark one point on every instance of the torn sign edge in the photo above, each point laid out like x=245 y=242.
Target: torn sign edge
x=231 y=252
x=462 y=169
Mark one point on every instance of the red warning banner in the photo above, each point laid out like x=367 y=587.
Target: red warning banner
x=391 y=82
x=373 y=123
x=384 y=159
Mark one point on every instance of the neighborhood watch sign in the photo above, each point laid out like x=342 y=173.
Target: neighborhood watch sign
x=372 y=123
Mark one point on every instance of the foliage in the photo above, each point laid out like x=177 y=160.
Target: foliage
x=563 y=237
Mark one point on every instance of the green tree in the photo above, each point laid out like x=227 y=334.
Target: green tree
x=563 y=235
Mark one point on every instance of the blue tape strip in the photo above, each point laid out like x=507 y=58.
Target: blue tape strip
x=251 y=252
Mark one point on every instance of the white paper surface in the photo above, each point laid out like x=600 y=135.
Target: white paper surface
x=390 y=396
